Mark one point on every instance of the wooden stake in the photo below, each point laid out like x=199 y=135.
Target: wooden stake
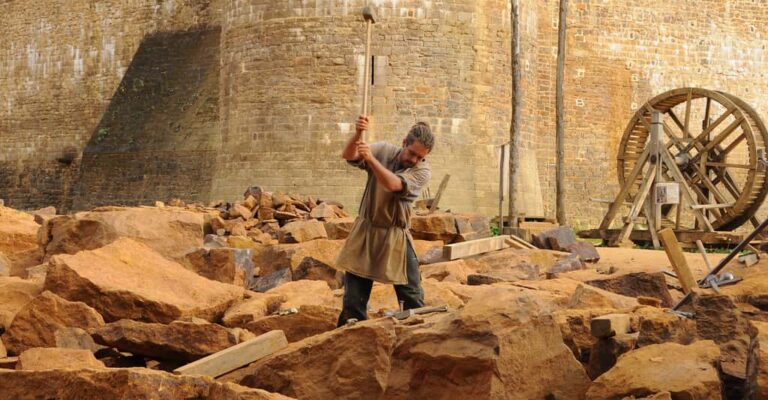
x=559 y=110
x=439 y=194
x=514 y=126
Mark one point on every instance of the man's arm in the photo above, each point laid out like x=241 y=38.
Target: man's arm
x=350 y=152
x=387 y=178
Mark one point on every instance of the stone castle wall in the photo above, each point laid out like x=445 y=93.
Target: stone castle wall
x=265 y=92
x=292 y=75
x=61 y=64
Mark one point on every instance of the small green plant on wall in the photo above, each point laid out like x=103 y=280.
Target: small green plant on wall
x=495 y=229
x=101 y=134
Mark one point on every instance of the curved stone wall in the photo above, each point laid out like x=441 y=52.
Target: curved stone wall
x=291 y=87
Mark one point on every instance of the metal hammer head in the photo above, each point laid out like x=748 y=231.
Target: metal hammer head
x=369 y=15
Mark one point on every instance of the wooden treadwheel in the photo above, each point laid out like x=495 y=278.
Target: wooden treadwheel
x=714 y=138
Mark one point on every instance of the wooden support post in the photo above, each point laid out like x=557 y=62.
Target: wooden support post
x=220 y=363
x=656 y=144
x=635 y=210
x=628 y=184
x=677 y=259
x=502 y=158
x=652 y=227
x=684 y=188
x=559 y=111
x=514 y=125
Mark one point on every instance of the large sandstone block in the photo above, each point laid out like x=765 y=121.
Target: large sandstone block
x=18 y=240
x=36 y=324
x=472 y=226
x=302 y=231
x=257 y=306
x=587 y=296
x=437 y=226
x=559 y=238
x=659 y=326
x=688 y=372
x=315 y=260
x=638 y=284
x=169 y=231
x=123 y=383
x=450 y=228
x=128 y=280
x=499 y=345
x=352 y=362
x=306 y=321
x=305 y=292
x=15 y=293
x=448 y=271
x=183 y=341
x=718 y=319
x=227 y=265
x=41 y=358
x=338 y=228
x=762 y=377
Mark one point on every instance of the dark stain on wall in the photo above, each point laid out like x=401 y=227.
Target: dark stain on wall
x=160 y=134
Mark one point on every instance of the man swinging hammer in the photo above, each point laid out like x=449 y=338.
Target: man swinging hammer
x=379 y=247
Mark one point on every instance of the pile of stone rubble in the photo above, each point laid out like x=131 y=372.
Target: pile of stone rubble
x=107 y=303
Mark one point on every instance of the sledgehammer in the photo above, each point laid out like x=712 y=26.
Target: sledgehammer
x=370 y=19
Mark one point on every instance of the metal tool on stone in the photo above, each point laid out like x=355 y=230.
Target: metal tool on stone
x=370 y=19
x=726 y=279
x=420 y=311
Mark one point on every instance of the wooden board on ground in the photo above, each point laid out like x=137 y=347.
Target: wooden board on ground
x=677 y=259
x=227 y=360
x=473 y=247
x=683 y=236
x=519 y=243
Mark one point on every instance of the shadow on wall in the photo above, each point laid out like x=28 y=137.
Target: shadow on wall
x=160 y=134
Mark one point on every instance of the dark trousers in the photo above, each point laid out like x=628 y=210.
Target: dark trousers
x=357 y=291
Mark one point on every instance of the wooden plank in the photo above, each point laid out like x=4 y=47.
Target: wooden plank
x=683 y=236
x=220 y=363
x=519 y=243
x=514 y=244
x=677 y=259
x=473 y=247
x=708 y=206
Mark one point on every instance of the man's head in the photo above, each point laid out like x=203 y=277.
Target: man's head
x=417 y=144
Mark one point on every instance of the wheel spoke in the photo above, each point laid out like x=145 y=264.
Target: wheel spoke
x=727 y=165
x=704 y=134
x=719 y=138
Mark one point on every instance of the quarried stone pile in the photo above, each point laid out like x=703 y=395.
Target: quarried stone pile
x=105 y=303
